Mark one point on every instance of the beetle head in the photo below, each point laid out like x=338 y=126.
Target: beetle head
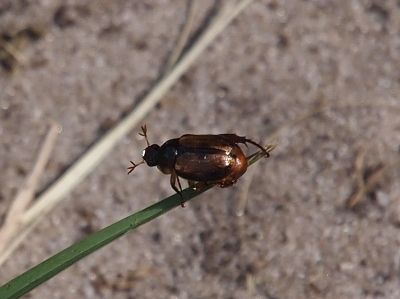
x=151 y=155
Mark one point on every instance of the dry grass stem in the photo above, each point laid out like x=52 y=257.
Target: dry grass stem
x=97 y=153
x=359 y=165
x=184 y=36
x=92 y=158
x=246 y=187
x=372 y=180
x=14 y=52
x=26 y=193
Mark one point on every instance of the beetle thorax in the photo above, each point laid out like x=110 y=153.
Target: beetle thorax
x=167 y=156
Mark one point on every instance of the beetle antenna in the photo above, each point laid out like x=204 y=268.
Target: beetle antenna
x=133 y=166
x=144 y=134
x=259 y=146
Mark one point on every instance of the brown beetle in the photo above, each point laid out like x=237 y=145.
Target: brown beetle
x=211 y=159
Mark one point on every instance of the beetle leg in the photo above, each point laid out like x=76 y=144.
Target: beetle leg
x=258 y=145
x=173 y=180
x=241 y=139
x=225 y=184
x=179 y=183
x=144 y=134
x=133 y=166
x=197 y=185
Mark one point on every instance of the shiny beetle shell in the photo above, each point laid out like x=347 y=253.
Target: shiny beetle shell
x=212 y=159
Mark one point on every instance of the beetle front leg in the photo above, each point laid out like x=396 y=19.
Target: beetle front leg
x=173 y=180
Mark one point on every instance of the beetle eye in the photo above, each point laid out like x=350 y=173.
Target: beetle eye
x=150 y=155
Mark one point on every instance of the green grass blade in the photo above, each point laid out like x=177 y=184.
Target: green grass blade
x=59 y=262
x=50 y=267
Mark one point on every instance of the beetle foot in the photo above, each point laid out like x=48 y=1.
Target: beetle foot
x=198 y=185
x=182 y=201
x=227 y=184
x=134 y=165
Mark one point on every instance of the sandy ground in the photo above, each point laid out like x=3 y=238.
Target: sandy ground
x=84 y=64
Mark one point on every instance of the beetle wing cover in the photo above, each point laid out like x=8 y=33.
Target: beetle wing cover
x=205 y=157
x=204 y=165
x=221 y=142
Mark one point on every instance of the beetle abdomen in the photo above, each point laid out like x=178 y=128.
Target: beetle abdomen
x=238 y=168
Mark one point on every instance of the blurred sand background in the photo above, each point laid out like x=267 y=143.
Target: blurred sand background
x=84 y=64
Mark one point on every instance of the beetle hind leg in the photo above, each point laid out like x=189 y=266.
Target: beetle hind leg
x=242 y=139
x=257 y=145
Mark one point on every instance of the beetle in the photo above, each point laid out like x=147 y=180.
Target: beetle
x=210 y=159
